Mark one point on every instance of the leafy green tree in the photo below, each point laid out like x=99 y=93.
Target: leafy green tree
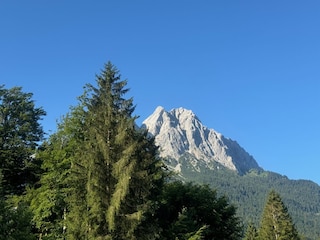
x=116 y=172
x=20 y=132
x=15 y=222
x=251 y=232
x=48 y=201
x=189 y=211
x=276 y=223
x=15 y=219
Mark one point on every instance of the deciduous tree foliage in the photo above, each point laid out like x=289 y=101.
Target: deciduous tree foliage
x=14 y=219
x=48 y=201
x=276 y=222
x=189 y=211
x=20 y=132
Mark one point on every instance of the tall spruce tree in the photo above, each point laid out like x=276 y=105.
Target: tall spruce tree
x=276 y=223
x=116 y=171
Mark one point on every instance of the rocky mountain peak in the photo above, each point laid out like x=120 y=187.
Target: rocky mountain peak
x=179 y=132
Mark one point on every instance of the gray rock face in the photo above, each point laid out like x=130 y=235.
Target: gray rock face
x=179 y=132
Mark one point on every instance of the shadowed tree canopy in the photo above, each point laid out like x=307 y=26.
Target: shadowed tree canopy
x=189 y=211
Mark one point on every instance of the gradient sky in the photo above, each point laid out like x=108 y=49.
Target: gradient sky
x=248 y=69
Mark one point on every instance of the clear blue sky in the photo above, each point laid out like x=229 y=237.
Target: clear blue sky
x=248 y=69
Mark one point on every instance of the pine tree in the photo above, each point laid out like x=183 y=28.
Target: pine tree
x=251 y=232
x=116 y=170
x=276 y=222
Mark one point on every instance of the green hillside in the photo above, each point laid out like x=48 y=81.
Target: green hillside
x=248 y=192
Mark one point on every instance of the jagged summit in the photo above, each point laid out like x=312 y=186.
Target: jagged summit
x=179 y=132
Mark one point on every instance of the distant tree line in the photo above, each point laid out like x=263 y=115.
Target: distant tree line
x=248 y=192
x=100 y=177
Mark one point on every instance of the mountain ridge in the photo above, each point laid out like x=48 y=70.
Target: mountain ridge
x=179 y=131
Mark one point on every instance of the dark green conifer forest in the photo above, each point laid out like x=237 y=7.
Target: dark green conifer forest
x=100 y=177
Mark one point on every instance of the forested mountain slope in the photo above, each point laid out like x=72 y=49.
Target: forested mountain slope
x=203 y=155
x=248 y=193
